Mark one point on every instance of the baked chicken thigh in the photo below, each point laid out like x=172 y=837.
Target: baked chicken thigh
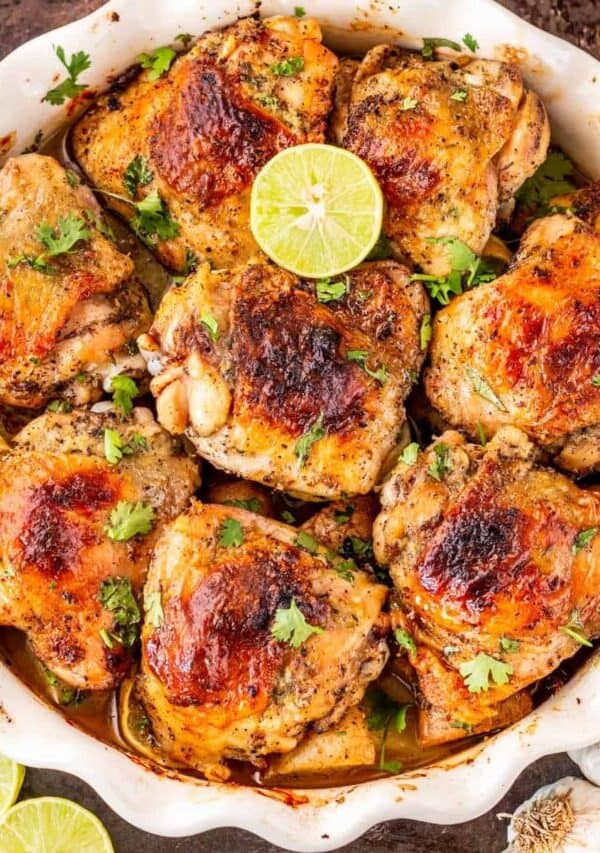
x=251 y=638
x=450 y=140
x=525 y=349
x=199 y=134
x=294 y=384
x=76 y=532
x=69 y=302
x=496 y=565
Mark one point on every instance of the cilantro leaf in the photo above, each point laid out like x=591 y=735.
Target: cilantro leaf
x=299 y=11
x=231 y=534
x=62 y=407
x=117 y=596
x=467 y=270
x=442 y=464
x=360 y=356
x=343 y=516
x=478 y=672
x=481 y=434
x=137 y=174
x=252 y=505
x=209 y=322
x=329 y=291
x=551 y=179
x=584 y=538
x=115 y=448
x=304 y=444
x=431 y=44
x=596 y=381
x=62 y=239
x=405 y=641
x=408 y=104
x=483 y=389
x=507 y=644
x=38 y=264
x=425 y=331
x=291 y=627
x=574 y=629
x=124 y=390
x=69 y=87
x=152 y=218
x=158 y=62
x=288 y=67
x=362 y=549
x=409 y=453
x=307 y=542
x=288 y=517
x=383 y=713
x=470 y=42
x=153 y=608
x=381 y=250
x=459 y=95
x=130 y=519
x=184 y=38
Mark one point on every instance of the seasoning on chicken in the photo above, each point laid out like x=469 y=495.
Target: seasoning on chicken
x=297 y=385
x=83 y=497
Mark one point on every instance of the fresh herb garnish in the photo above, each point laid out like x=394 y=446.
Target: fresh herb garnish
x=584 y=538
x=431 y=44
x=574 y=629
x=153 y=608
x=425 y=331
x=307 y=542
x=115 y=448
x=288 y=67
x=299 y=11
x=384 y=713
x=470 y=42
x=129 y=519
x=360 y=356
x=60 y=240
x=380 y=251
x=210 y=324
x=72 y=178
x=65 y=694
x=287 y=516
x=291 y=627
x=596 y=381
x=405 y=641
x=409 y=453
x=478 y=672
x=117 y=596
x=61 y=407
x=184 y=38
x=304 y=444
x=508 y=645
x=231 y=534
x=124 y=390
x=251 y=504
x=343 y=516
x=459 y=95
x=483 y=389
x=137 y=174
x=408 y=104
x=467 y=270
x=460 y=724
x=152 y=219
x=552 y=178
x=481 y=434
x=158 y=62
x=69 y=87
x=329 y=291
x=442 y=464
x=361 y=548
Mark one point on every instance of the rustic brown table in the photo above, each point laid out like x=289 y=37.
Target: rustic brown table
x=579 y=22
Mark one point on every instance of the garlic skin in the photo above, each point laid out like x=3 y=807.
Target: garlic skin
x=588 y=761
x=560 y=818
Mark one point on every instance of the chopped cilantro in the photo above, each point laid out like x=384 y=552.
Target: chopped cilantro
x=299 y=11
x=231 y=534
x=343 y=516
x=381 y=250
x=478 y=672
x=442 y=464
x=307 y=542
x=209 y=322
x=408 y=104
x=596 y=381
x=470 y=42
x=288 y=67
x=153 y=219
x=360 y=356
x=115 y=448
x=62 y=407
x=467 y=270
x=384 y=713
x=291 y=627
x=329 y=291
x=158 y=62
x=481 y=434
x=130 y=519
x=584 y=538
x=288 y=517
x=137 y=174
x=460 y=724
x=62 y=239
x=72 y=178
x=483 y=389
x=425 y=331
x=574 y=629
x=552 y=178
x=251 y=504
x=304 y=444
x=409 y=453
x=405 y=641
x=69 y=87
x=431 y=44
x=184 y=38
x=117 y=596
x=459 y=95
x=154 y=609
x=124 y=390
x=507 y=644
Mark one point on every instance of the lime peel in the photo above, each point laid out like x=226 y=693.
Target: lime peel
x=316 y=210
x=11 y=780
x=52 y=823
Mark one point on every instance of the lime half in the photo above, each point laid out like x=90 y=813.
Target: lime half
x=52 y=825
x=316 y=210
x=11 y=779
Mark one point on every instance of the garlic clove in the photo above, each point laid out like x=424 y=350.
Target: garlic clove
x=588 y=761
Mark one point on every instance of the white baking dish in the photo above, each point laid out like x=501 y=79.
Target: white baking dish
x=459 y=788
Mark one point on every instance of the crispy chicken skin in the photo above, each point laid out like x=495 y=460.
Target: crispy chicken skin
x=60 y=333
x=489 y=553
x=449 y=140
x=208 y=126
x=57 y=492
x=215 y=682
x=278 y=367
x=533 y=336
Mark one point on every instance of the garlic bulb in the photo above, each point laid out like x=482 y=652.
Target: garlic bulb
x=560 y=818
x=588 y=761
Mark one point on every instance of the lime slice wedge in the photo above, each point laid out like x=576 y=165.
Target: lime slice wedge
x=52 y=825
x=316 y=210
x=11 y=779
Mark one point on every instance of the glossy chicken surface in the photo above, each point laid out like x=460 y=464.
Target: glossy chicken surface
x=216 y=681
x=491 y=555
x=64 y=328
x=208 y=126
x=274 y=385
x=524 y=349
x=449 y=140
x=57 y=494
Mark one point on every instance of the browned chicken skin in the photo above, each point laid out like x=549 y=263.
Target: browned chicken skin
x=57 y=492
x=64 y=330
x=215 y=681
x=208 y=126
x=525 y=349
x=449 y=141
x=490 y=559
x=278 y=365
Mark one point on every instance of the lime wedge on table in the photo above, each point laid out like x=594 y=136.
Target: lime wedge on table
x=52 y=825
x=11 y=779
x=316 y=210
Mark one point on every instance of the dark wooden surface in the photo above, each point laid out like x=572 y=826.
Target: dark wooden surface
x=579 y=22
